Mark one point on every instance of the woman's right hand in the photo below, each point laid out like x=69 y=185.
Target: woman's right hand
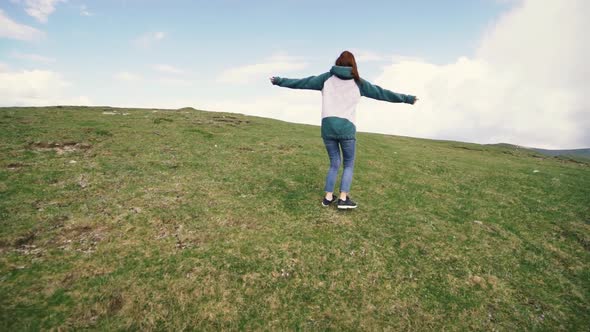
x=272 y=79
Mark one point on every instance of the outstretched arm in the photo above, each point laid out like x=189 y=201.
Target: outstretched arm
x=311 y=83
x=376 y=92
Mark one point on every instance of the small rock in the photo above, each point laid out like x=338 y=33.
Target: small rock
x=82 y=182
x=536 y=171
x=477 y=280
x=73 y=161
x=136 y=209
x=478 y=222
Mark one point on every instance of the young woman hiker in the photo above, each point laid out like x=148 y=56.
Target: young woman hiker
x=341 y=89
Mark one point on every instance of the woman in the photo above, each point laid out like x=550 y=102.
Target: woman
x=341 y=89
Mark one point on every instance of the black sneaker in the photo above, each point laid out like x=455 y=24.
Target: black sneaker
x=347 y=204
x=326 y=202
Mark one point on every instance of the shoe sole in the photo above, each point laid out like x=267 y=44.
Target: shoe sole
x=346 y=207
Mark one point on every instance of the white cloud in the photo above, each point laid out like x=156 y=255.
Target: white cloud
x=150 y=38
x=300 y=106
x=168 y=69
x=39 y=9
x=127 y=76
x=13 y=30
x=526 y=85
x=32 y=57
x=146 y=80
x=173 y=81
x=84 y=11
x=259 y=71
x=36 y=88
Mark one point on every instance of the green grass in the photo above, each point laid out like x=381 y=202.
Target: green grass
x=169 y=220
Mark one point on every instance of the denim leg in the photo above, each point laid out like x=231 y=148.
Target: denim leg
x=334 y=154
x=348 y=150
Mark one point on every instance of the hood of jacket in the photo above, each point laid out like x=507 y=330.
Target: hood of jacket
x=342 y=72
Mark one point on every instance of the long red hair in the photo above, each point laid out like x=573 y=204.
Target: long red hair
x=346 y=59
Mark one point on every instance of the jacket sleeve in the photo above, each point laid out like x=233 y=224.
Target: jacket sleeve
x=310 y=83
x=376 y=92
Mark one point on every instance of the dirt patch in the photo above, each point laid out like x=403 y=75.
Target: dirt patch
x=83 y=239
x=115 y=303
x=289 y=147
x=467 y=148
x=220 y=121
x=59 y=147
x=41 y=205
x=228 y=119
x=25 y=239
x=24 y=245
x=30 y=250
x=15 y=166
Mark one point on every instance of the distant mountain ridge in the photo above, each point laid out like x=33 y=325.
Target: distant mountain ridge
x=575 y=152
x=582 y=153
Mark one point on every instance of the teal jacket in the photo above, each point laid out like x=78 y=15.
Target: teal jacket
x=340 y=96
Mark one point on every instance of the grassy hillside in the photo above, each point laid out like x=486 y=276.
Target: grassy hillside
x=128 y=219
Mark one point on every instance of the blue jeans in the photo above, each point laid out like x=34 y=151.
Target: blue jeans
x=333 y=147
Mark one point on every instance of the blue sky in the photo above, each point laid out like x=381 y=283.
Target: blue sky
x=218 y=54
x=203 y=38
